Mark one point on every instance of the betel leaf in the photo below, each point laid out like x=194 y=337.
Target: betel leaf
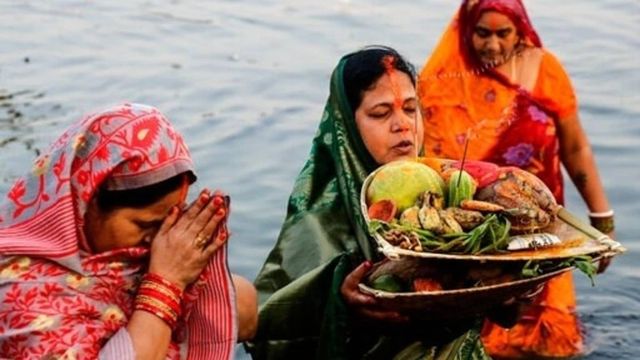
x=376 y=226
x=531 y=269
x=584 y=263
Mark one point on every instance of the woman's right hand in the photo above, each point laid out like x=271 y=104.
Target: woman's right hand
x=182 y=247
x=364 y=305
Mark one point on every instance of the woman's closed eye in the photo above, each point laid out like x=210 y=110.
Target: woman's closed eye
x=410 y=106
x=504 y=33
x=410 y=110
x=380 y=112
x=149 y=225
x=482 y=32
x=485 y=33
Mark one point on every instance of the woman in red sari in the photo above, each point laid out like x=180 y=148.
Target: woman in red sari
x=492 y=86
x=100 y=258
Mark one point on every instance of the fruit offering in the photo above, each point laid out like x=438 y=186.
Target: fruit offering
x=471 y=208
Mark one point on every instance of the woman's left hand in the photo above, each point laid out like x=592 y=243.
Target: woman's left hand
x=604 y=263
x=185 y=242
x=364 y=305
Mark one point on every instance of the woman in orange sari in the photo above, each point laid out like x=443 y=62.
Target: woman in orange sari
x=491 y=87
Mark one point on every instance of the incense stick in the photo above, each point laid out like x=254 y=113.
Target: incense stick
x=464 y=156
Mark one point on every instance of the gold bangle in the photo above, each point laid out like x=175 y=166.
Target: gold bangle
x=158 y=304
x=603 y=224
x=161 y=289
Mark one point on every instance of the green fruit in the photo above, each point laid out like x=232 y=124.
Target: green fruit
x=388 y=283
x=403 y=182
x=461 y=186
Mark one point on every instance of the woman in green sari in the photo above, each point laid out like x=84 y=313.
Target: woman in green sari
x=311 y=306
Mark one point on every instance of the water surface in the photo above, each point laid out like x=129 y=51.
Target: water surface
x=246 y=81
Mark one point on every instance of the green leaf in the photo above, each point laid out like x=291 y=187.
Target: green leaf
x=376 y=226
x=588 y=268
x=531 y=269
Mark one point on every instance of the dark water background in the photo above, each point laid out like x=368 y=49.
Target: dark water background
x=246 y=81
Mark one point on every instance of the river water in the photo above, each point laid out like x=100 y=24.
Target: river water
x=245 y=82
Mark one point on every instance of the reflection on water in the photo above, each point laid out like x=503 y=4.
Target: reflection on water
x=246 y=81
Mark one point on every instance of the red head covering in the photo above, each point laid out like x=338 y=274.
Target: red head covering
x=471 y=11
x=128 y=146
x=57 y=297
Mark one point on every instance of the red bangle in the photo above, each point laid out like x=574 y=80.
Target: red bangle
x=159 y=297
x=145 y=305
x=162 y=281
x=173 y=303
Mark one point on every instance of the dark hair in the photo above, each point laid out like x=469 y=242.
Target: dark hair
x=140 y=197
x=364 y=67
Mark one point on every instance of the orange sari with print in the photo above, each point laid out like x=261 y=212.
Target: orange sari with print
x=507 y=125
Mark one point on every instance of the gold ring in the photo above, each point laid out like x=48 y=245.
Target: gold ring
x=200 y=241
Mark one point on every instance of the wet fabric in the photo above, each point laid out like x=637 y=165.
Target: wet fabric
x=323 y=238
x=506 y=124
x=59 y=300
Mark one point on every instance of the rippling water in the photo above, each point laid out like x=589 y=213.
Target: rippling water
x=246 y=81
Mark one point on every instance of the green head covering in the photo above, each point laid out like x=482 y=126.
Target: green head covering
x=324 y=236
x=337 y=166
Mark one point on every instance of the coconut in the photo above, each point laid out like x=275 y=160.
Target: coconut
x=403 y=182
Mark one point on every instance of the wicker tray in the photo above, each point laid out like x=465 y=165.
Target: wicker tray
x=577 y=238
x=448 y=304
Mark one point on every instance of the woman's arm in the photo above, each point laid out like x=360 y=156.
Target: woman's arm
x=149 y=334
x=247 y=305
x=153 y=335
x=578 y=159
x=145 y=337
x=178 y=258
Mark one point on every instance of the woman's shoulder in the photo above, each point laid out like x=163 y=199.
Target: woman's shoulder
x=550 y=63
x=554 y=87
x=544 y=57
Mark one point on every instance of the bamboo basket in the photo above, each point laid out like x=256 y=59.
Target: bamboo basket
x=452 y=304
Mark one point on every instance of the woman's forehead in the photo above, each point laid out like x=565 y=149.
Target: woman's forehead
x=157 y=210
x=389 y=86
x=494 y=20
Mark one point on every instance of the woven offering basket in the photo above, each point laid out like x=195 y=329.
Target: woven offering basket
x=473 y=296
x=447 y=304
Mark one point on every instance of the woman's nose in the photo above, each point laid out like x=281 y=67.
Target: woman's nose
x=402 y=122
x=493 y=44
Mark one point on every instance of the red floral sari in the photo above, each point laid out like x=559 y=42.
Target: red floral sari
x=508 y=125
x=58 y=300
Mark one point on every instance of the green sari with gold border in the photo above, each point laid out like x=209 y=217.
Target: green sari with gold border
x=324 y=236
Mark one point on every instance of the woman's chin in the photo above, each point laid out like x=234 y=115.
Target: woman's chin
x=490 y=63
x=494 y=61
